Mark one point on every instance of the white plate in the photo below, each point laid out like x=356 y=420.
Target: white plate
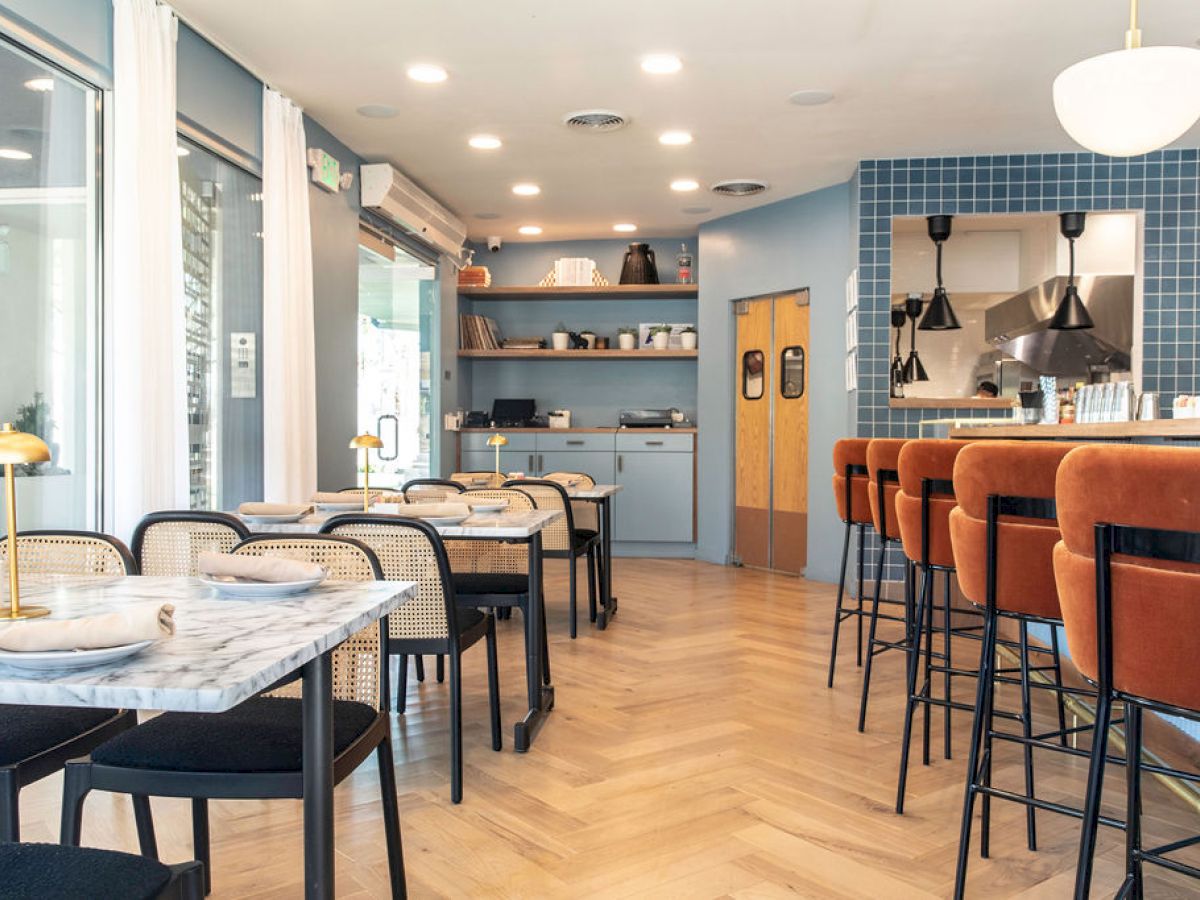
x=444 y=520
x=487 y=505
x=260 y=590
x=338 y=507
x=69 y=659
x=274 y=520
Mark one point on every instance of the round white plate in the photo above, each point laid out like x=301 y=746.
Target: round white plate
x=338 y=507
x=259 y=590
x=274 y=520
x=488 y=505
x=69 y=659
x=445 y=520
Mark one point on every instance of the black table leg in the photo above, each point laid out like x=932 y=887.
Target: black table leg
x=541 y=697
x=608 y=603
x=317 y=707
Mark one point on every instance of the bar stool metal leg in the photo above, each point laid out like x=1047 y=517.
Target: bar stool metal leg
x=947 y=677
x=1095 y=788
x=1058 y=682
x=858 y=582
x=837 y=613
x=987 y=662
x=866 y=685
x=1027 y=733
x=914 y=663
x=1132 y=887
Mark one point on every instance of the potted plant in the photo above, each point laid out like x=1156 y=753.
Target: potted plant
x=561 y=338
x=687 y=338
x=590 y=336
x=627 y=338
x=660 y=336
x=34 y=418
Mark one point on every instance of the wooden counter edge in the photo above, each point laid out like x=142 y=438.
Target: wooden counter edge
x=1180 y=429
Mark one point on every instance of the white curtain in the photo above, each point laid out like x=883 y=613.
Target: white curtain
x=289 y=355
x=149 y=414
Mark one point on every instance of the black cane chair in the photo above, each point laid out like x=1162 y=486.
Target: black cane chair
x=36 y=741
x=169 y=543
x=560 y=540
x=253 y=751
x=55 y=872
x=412 y=550
x=434 y=490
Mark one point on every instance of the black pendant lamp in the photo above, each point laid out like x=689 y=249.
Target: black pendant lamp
x=913 y=370
x=940 y=314
x=1071 y=314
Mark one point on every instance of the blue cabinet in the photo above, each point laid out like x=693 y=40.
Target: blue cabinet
x=656 y=503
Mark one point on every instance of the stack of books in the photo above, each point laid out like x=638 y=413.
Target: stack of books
x=524 y=343
x=478 y=333
x=573 y=271
x=475 y=276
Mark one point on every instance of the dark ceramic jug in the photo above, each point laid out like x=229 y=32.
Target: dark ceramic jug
x=640 y=266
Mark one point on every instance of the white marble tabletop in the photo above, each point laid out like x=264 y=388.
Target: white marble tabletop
x=595 y=492
x=497 y=525
x=222 y=652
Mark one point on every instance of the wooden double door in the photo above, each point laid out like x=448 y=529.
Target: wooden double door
x=771 y=484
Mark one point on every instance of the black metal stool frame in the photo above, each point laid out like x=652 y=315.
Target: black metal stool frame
x=840 y=615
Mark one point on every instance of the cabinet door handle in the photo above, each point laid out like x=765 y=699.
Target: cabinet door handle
x=539 y=462
x=654 y=443
x=530 y=462
x=620 y=463
x=574 y=443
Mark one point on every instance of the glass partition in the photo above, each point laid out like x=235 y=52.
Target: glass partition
x=49 y=285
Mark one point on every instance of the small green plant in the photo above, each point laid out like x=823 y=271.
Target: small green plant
x=690 y=329
x=627 y=331
x=660 y=329
x=560 y=328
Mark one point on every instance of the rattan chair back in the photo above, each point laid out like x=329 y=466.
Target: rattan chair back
x=170 y=543
x=70 y=553
x=431 y=490
x=357 y=661
x=497 y=557
x=587 y=516
x=547 y=495
x=474 y=480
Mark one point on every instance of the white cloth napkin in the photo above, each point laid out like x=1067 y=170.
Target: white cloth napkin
x=274 y=509
x=340 y=497
x=432 y=510
x=143 y=622
x=273 y=569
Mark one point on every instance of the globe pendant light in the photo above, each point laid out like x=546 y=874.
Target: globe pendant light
x=1130 y=101
x=940 y=314
x=913 y=370
x=1071 y=314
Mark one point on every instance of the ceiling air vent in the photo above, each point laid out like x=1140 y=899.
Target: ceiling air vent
x=595 y=120
x=739 y=187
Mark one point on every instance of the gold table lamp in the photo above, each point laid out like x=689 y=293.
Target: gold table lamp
x=497 y=441
x=366 y=443
x=17 y=447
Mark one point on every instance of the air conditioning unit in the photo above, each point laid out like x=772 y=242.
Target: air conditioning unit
x=389 y=192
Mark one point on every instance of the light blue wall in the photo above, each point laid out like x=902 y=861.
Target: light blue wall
x=801 y=242
x=77 y=28
x=525 y=263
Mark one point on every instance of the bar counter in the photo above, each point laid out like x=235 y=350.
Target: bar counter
x=606 y=429
x=1169 y=429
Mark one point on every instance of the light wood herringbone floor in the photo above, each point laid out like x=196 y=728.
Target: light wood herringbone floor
x=694 y=752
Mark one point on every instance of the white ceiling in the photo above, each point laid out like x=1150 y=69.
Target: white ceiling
x=918 y=77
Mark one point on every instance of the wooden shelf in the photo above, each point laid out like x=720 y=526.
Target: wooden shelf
x=609 y=292
x=579 y=354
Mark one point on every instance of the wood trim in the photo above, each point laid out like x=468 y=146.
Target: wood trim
x=607 y=292
x=579 y=354
x=1180 y=429
x=611 y=429
x=951 y=403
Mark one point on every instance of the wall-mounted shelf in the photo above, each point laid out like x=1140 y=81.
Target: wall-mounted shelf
x=579 y=354
x=609 y=292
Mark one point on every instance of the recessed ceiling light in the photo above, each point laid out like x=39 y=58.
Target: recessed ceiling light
x=181 y=150
x=661 y=64
x=811 y=97
x=675 y=138
x=530 y=229
x=526 y=190
x=40 y=84
x=378 y=111
x=697 y=210
x=624 y=226
x=427 y=73
x=485 y=142
x=684 y=184
x=10 y=153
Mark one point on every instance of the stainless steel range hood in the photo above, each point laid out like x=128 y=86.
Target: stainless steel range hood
x=1018 y=326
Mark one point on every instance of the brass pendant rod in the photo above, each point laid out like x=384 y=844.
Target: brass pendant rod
x=1133 y=37
x=10 y=497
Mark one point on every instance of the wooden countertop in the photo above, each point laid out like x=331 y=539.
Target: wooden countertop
x=679 y=429
x=952 y=403
x=1180 y=429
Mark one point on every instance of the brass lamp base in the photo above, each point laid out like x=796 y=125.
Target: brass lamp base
x=25 y=612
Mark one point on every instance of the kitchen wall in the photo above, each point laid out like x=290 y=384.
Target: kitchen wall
x=801 y=242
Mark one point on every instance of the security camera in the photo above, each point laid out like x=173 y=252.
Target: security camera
x=494 y=243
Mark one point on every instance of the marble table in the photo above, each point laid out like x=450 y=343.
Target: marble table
x=523 y=527
x=601 y=495
x=223 y=652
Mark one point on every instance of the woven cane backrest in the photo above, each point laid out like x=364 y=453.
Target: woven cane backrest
x=407 y=553
x=357 y=661
x=69 y=553
x=431 y=490
x=474 y=480
x=172 y=546
x=557 y=535
x=586 y=513
x=492 y=556
x=381 y=495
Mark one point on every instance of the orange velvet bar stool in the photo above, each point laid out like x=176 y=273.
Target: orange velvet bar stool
x=923 y=507
x=1003 y=533
x=850 y=490
x=1128 y=573
x=883 y=456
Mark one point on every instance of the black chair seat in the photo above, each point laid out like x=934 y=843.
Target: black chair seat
x=261 y=735
x=26 y=731
x=54 y=872
x=582 y=537
x=490 y=583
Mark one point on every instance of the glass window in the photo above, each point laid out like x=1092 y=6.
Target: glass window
x=396 y=300
x=752 y=374
x=791 y=373
x=49 y=285
x=222 y=277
